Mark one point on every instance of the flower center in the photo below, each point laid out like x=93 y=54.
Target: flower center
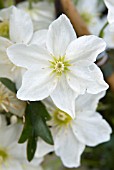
x=61 y=118
x=86 y=17
x=4 y=29
x=3 y=155
x=60 y=65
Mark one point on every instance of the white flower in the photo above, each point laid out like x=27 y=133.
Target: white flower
x=63 y=70
x=110 y=17
x=42 y=13
x=15 y=27
x=89 y=11
x=10 y=103
x=12 y=154
x=72 y=135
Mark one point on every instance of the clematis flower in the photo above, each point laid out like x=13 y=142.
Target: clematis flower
x=41 y=13
x=10 y=103
x=12 y=154
x=15 y=27
x=72 y=135
x=63 y=69
x=91 y=15
x=110 y=17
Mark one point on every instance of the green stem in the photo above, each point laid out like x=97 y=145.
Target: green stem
x=101 y=34
x=30 y=4
x=1 y=4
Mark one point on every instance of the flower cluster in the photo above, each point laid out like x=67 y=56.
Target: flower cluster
x=50 y=87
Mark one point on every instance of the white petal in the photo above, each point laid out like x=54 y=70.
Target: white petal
x=21 y=27
x=39 y=38
x=89 y=78
x=60 y=34
x=18 y=151
x=43 y=148
x=88 y=101
x=12 y=164
x=5 y=13
x=85 y=48
x=49 y=105
x=5 y=71
x=98 y=84
x=37 y=85
x=64 y=97
x=28 y=56
x=4 y=44
x=9 y=134
x=68 y=147
x=110 y=6
x=91 y=129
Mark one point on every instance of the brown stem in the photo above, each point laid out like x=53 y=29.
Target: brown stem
x=67 y=7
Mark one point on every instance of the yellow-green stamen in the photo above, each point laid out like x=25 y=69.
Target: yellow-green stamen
x=61 y=118
x=59 y=65
x=86 y=17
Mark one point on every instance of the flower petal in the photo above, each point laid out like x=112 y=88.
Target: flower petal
x=5 y=71
x=68 y=147
x=31 y=56
x=91 y=129
x=43 y=148
x=12 y=164
x=5 y=13
x=98 y=84
x=36 y=85
x=110 y=6
x=89 y=78
x=21 y=27
x=12 y=133
x=88 y=101
x=60 y=34
x=64 y=97
x=4 y=44
x=39 y=38
x=85 y=48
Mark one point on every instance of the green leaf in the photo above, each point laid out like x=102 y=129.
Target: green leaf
x=42 y=130
x=9 y=84
x=38 y=116
x=31 y=148
x=39 y=108
x=35 y=126
x=27 y=130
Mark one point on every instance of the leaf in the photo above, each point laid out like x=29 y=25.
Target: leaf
x=39 y=108
x=35 y=126
x=38 y=116
x=31 y=148
x=27 y=130
x=9 y=84
x=42 y=130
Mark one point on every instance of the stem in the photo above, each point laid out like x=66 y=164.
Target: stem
x=30 y=4
x=1 y=4
x=101 y=34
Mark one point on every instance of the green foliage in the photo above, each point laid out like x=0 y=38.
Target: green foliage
x=1 y=4
x=9 y=84
x=35 y=126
